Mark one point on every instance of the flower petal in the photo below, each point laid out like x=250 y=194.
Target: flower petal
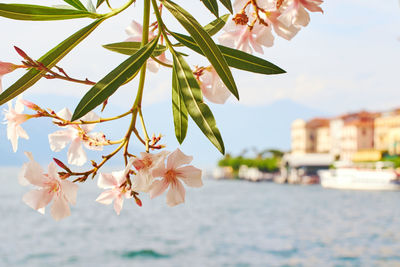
x=91 y=116
x=37 y=199
x=142 y=181
x=158 y=187
x=106 y=181
x=19 y=107
x=76 y=154
x=64 y=114
x=34 y=172
x=118 y=203
x=21 y=132
x=190 y=175
x=70 y=191
x=176 y=194
x=106 y=197
x=52 y=171
x=21 y=179
x=177 y=158
x=134 y=30
x=60 y=208
x=59 y=140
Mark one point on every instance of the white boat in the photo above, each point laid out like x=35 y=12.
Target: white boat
x=360 y=178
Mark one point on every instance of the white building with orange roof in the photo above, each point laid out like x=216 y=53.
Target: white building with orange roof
x=387 y=129
x=357 y=134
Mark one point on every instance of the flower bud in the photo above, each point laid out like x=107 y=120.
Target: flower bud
x=61 y=165
x=138 y=201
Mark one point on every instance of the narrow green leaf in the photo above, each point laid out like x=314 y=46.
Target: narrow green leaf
x=40 y=13
x=113 y=80
x=211 y=5
x=50 y=59
x=227 y=4
x=235 y=58
x=179 y=110
x=90 y=7
x=216 y=25
x=99 y=2
x=130 y=48
x=76 y=3
x=197 y=109
x=206 y=44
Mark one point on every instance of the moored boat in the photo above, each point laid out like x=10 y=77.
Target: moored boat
x=360 y=178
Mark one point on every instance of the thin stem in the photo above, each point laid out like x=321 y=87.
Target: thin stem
x=100 y=120
x=161 y=63
x=108 y=4
x=138 y=101
x=118 y=10
x=146 y=135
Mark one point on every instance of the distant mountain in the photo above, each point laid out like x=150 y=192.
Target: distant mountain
x=242 y=127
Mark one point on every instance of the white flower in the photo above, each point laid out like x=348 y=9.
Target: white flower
x=117 y=192
x=172 y=175
x=144 y=167
x=76 y=135
x=13 y=119
x=50 y=187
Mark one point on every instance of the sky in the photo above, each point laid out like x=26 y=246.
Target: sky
x=346 y=59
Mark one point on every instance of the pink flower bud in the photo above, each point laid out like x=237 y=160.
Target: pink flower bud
x=61 y=165
x=22 y=53
x=30 y=105
x=138 y=201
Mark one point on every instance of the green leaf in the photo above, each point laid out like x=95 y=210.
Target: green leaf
x=130 y=48
x=99 y=2
x=90 y=7
x=76 y=3
x=50 y=59
x=197 y=109
x=216 y=25
x=39 y=13
x=227 y=4
x=113 y=80
x=211 y=5
x=235 y=58
x=206 y=44
x=179 y=110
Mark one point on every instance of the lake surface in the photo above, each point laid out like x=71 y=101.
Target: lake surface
x=225 y=223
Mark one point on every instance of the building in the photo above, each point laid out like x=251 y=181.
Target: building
x=298 y=136
x=357 y=134
x=387 y=128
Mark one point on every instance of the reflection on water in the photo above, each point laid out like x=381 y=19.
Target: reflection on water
x=226 y=223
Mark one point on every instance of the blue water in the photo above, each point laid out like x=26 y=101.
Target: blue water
x=225 y=223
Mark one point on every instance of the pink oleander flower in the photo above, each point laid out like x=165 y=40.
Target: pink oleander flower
x=5 y=67
x=144 y=167
x=135 y=31
x=117 y=192
x=286 y=32
x=247 y=39
x=294 y=12
x=51 y=187
x=212 y=86
x=172 y=175
x=76 y=135
x=13 y=118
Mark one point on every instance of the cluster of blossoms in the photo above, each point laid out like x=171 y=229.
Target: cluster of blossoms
x=251 y=27
x=151 y=174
